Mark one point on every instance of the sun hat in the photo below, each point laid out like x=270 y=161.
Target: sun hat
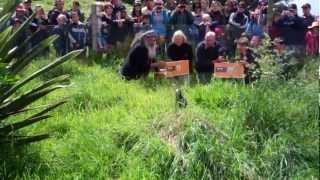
x=314 y=24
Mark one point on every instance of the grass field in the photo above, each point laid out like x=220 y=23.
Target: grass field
x=113 y=129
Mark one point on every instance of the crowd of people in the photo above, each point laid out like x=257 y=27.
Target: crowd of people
x=66 y=24
x=201 y=31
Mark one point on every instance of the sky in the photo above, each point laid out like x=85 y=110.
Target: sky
x=315 y=5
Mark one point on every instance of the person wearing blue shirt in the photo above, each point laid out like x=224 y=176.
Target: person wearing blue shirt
x=253 y=27
x=159 y=19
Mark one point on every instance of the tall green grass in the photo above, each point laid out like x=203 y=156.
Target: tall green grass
x=115 y=129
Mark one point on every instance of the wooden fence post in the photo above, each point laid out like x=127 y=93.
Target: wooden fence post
x=94 y=26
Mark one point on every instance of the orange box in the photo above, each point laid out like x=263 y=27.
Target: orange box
x=169 y=69
x=229 y=70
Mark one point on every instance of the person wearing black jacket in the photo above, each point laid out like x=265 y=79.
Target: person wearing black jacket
x=61 y=43
x=238 y=22
x=140 y=56
x=76 y=8
x=121 y=28
x=216 y=14
x=205 y=26
x=307 y=17
x=107 y=22
x=179 y=49
x=292 y=29
x=207 y=52
x=56 y=11
x=28 y=6
x=181 y=18
x=39 y=27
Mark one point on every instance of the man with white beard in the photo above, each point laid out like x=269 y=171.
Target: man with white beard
x=142 y=53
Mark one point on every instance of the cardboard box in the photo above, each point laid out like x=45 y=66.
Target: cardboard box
x=229 y=70
x=170 y=69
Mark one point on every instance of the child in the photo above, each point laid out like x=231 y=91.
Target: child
x=60 y=44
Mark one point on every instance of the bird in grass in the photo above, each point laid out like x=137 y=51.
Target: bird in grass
x=181 y=101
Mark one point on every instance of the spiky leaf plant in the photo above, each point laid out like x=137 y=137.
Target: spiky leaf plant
x=14 y=99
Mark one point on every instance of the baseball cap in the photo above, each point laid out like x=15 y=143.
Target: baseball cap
x=293 y=6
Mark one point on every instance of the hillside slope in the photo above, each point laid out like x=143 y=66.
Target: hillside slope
x=114 y=129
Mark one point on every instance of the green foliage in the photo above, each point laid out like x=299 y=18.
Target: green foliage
x=13 y=100
x=277 y=66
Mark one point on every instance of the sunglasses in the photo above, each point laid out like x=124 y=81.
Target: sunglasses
x=150 y=36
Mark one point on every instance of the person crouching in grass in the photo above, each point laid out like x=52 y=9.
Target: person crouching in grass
x=141 y=54
x=180 y=49
x=208 y=52
x=247 y=57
